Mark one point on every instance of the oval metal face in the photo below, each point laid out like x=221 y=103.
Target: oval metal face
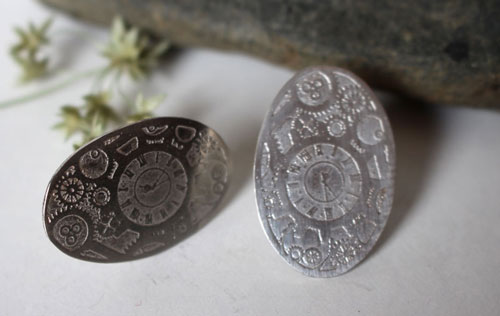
x=137 y=190
x=324 y=171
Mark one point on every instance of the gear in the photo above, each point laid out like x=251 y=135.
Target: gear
x=352 y=100
x=71 y=192
x=296 y=252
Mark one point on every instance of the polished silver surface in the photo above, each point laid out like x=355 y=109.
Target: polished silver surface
x=324 y=171
x=137 y=190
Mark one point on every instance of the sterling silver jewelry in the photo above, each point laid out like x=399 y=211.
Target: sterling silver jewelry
x=324 y=171
x=137 y=190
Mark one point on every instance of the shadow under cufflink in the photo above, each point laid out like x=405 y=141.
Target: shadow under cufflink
x=137 y=191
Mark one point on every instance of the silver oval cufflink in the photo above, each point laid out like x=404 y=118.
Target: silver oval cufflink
x=324 y=171
x=137 y=190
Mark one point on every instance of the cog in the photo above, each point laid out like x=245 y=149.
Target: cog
x=71 y=192
x=352 y=100
x=317 y=93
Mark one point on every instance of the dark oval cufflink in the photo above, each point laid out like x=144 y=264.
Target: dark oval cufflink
x=137 y=190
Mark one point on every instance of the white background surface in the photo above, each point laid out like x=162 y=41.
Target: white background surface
x=439 y=254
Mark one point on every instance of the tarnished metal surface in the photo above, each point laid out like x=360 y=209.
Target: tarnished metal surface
x=324 y=171
x=137 y=190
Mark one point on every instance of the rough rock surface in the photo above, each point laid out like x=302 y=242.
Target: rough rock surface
x=437 y=51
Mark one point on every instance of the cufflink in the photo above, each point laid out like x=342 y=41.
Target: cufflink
x=324 y=171
x=137 y=190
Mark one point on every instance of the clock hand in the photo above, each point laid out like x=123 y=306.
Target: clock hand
x=329 y=189
x=157 y=180
x=164 y=181
x=158 y=184
x=322 y=181
x=147 y=187
x=325 y=184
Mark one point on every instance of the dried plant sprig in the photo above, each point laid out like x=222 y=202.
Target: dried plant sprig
x=96 y=114
x=89 y=120
x=144 y=107
x=98 y=106
x=130 y=51
x=26 y=51
x=90 y=130
x=72 y=120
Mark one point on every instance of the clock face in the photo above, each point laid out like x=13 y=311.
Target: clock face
x=152 y=188
x=324 y=182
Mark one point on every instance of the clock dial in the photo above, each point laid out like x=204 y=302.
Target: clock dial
x=324 y=182
x=152 y=188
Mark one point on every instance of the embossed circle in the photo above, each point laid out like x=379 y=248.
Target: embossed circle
x=336 y=128
x=324 y=182
x=150 y=193
x=94 y=163
x=152 y=188
x=71 y=232
x=71 y=190
x=314 y=88
x=312 y=257
x=101 y=196
x=353 y=100
x=370 y=130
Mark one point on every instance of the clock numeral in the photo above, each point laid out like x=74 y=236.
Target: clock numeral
x=351 y=195
x=129 y=173
x=305 y=156
x=328 y=212
x=169 y=161
x=318 y=150
x=293 y=168
x=342 y=207
x=148 y=219
x=178 y=172
x=122 y=189
x=180 y=187
x=356 y=177
x=312 y=211
x=142 y=160
x=163 y=213
x=299 y=200
x=347 y=161
x=135 y=214
x=125 y=204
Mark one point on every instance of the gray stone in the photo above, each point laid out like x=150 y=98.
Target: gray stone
x=436 y=51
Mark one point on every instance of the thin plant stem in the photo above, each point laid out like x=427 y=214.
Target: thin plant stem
x=37 y=94
x=119 y=87
x=98 y=81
